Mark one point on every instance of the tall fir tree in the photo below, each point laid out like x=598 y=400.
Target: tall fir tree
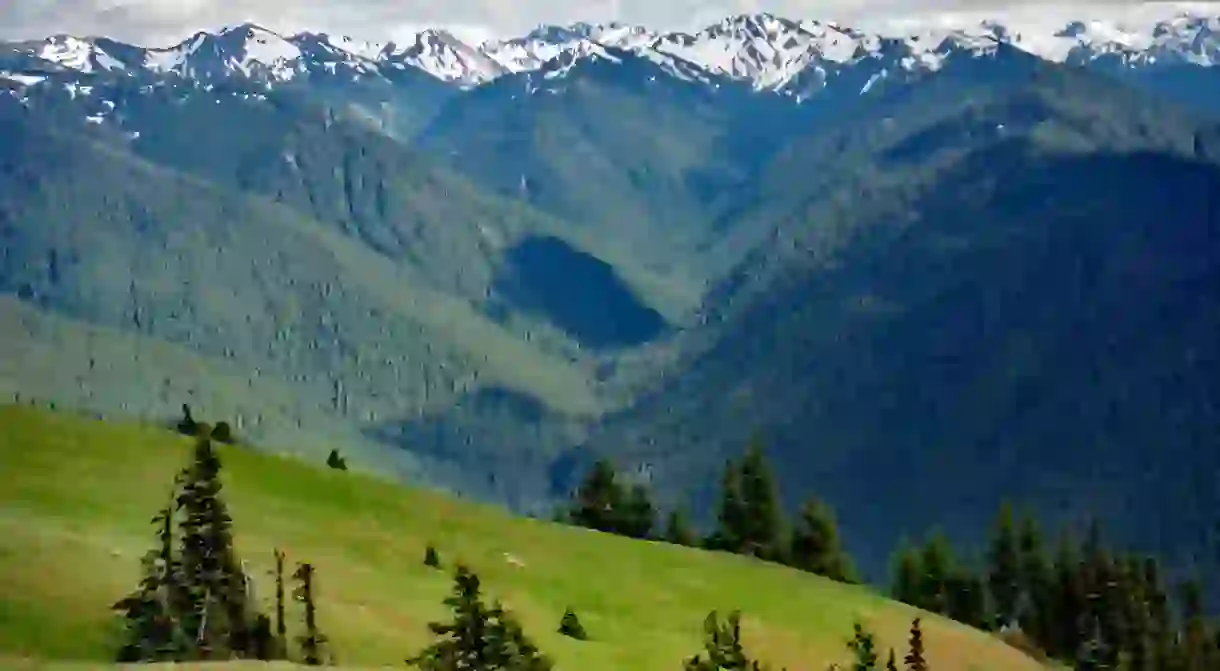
x=678 y=529
x=1136 y=616
x=731 y=513
x=907 y=575
x=195 y=601
x=764 y=522
x=312 y=640
x=966 y=598
x=1099 y=578
x=864 y=649
x=1070 y=598
x=1035 y=607
x=219 y=616
x=936 y=559
x=915 y=654
x=1004 y=568
x=478 y=637
x=598 y=500
x=1161 y=634
x=1196 y=650
x=815 y=545
x=637 y=515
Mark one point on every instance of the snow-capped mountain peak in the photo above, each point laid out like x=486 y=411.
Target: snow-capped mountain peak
x=444 y=56
x=765 y=51
x=245 y=49
x=762 y=48
x=77 y=54
x=342 y=45
x=545 y=43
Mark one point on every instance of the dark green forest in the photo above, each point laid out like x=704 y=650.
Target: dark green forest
x=1071 y=598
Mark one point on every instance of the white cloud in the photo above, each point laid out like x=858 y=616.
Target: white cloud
x=158 y=22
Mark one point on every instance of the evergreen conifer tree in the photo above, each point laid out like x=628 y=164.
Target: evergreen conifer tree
x=915 y=655
x=731 y=513
x=1197 y=652
x=936 y=559
x=1036 y=608
x=1069 y=600
x=723 y=646
x=966 y=598
x=864 y=647
x=570 y=626
x=599 y=500
x=195 y=600
x=478 y=637
x=763 y=523
x=1004 y=568
x=815 y=545
x=431 y=558
x=1161 y=634
x=1135 y=615
x=219 y=616
x=891 y=664
x=336 y=461
x=678 y=529
x=908 y=571
x=637 y=516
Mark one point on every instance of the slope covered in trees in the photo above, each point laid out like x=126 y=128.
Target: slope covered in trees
x=1016 y=297
x=77 y=495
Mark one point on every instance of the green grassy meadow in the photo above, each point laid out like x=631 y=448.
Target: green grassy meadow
x=76 y=496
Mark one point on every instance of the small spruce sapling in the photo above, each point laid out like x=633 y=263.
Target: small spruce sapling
x=864 y=646
x=570 y=626
x=336 y=461
x=431 y=558
x=914 y=659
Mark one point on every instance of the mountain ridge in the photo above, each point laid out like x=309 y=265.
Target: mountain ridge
x=764 y=49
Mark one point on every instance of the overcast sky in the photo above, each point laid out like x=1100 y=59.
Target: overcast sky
x=163 y=22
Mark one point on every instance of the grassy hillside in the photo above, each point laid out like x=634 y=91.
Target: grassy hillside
x=75 y=497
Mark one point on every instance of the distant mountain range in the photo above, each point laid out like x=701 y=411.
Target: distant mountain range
x=768 y=51
x=935 y=264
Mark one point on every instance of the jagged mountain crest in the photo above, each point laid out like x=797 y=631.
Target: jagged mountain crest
x=765 y=50
x=441 y=54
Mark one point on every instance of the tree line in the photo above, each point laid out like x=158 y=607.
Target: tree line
x=1082 y=603
x=749 y=518
x=196 y=602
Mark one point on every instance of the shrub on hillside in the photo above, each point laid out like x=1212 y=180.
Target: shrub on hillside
x=570 y=626
x=336 y=461
x=431 y=558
